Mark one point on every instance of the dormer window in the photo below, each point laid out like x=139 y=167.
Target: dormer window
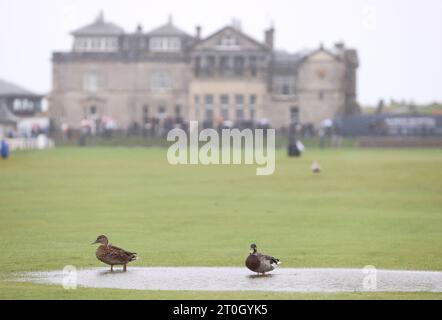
x=96 y=44
x=161 y=44
x=99 y=36
x=23 y=105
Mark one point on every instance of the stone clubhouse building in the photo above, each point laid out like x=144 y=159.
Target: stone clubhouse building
x=166 y=75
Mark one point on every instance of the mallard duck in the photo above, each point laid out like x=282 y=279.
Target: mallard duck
x=260 y=263
x=112 y=255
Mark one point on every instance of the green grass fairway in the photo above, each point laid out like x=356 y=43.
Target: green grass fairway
x=367 y=207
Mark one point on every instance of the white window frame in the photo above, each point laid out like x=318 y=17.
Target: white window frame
x=96 y=44
x=162 y=44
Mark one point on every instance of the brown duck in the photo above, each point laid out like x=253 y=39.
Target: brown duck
x=112 y=255
x=260 y=263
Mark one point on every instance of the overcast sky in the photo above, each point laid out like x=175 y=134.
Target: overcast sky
x=399 y=41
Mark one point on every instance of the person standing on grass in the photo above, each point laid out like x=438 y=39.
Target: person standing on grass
x=4 y=149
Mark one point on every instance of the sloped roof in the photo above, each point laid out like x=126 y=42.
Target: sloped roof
x=330 y=52
x=7 y=116
x=237 y=31
x=168 y=29
x=11 y=89
x=99 y=28
x=286 y=62
x=284 y=56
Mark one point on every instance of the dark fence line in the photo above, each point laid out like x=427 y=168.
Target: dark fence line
x=389 y=125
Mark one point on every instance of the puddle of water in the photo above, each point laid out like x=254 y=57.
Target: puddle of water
x=240 y=279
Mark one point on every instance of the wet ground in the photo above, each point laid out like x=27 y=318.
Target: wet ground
x=240 y=279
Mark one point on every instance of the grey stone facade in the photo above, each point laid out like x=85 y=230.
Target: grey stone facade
x=168 y=75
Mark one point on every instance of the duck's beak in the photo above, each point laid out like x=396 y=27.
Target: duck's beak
x=251 y=251
x=96 y=241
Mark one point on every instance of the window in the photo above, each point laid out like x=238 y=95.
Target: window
x=239 y=104
x=197 y=106
x=224 y=64
x=145 y=113
x=294 y=114
x=284 y=85
x=91 y=82
x=197 y=66
x=238 y=65
x=210 y=64
x=23 y=105
x=208 y=116
x=252 y=114
x=79 y=44
x=161 y=111
x=252 y=107
x=96 y=44
x=178 y=111
x=228 y=42
x=252 y=99
x=253 y=66
x=224 y=101
x=160 y=80
x=112 y=44
x=17 y=105
x=165 y=44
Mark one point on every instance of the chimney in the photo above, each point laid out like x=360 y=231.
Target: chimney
x=236 y=24
x=198 y=32
x=269 y=37
x=100 y=17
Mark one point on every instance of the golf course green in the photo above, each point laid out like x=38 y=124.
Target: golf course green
x=366 y=207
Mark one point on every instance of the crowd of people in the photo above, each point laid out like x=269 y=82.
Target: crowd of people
x=328 y=132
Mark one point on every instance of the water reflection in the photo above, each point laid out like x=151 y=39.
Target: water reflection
x=241 y=279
